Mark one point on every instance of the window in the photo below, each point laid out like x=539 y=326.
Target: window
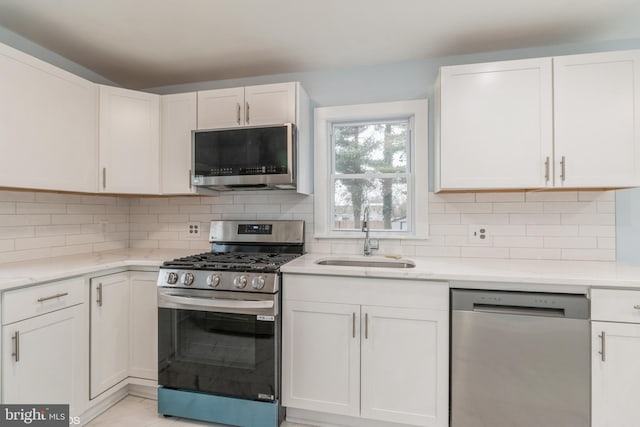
x=371 y=155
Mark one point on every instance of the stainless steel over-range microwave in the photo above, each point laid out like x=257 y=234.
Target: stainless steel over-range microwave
x=244 y=158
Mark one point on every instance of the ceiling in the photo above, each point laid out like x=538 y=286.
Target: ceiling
x=150 y=43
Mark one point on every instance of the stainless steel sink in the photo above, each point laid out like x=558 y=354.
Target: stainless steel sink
x=379 y=263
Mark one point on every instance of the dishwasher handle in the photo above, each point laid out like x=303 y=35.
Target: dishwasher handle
x=543 y=304
x=518 y=310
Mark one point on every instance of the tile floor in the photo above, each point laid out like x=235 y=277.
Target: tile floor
x=139 y=412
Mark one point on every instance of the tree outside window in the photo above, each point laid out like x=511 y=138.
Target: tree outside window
x=371 y=166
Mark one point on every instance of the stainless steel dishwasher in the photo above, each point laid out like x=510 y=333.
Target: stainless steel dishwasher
x=519 y=359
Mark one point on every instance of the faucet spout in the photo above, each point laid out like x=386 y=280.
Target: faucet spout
x=365 y=229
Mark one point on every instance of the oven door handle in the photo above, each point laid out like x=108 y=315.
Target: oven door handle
x=215 y=303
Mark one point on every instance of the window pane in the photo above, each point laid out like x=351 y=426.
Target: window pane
x=387 y=198
x=371 y=147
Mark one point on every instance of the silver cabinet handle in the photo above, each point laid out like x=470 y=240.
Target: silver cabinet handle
x=353 y=325
x=637 y=306
x=16 y=339
x=246 y=119
x=366 y=326
x=104 y=177
x=563 y=166
x=99 y=291
x=238 y=114
x=64 y=294
x=190 y=184
x=602 y=346
x=546 y=169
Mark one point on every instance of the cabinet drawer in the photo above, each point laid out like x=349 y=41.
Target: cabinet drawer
x=35 y=300
x=615 y=305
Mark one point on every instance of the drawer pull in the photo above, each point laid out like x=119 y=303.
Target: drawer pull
x=366 y=326
x=602 y=347
x=99 y=292
x=64 y=294
x=353 y=325
x=16 y=339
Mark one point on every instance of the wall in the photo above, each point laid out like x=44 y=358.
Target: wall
x=628 y=226
x=37 y=225
x=534 y=225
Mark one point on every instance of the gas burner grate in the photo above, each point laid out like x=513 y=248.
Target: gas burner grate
x=232 y=261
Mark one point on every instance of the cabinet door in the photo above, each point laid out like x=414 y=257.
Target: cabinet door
x=496 y=125
x=270 y=104
x=405 y=368
x=615 y=399
x=143 y=342
x=221 y=108
x=48 y=126
x=129 y=141
x=321 y=357
x=47 y=363
x=597 y=117
x=178 y=120
x=110 y=297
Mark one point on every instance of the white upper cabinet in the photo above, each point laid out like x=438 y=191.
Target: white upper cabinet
x=129 y=141
x=247 y=106
x=48 y=126
x=563 y=122
x=178 y=120
x=496 y=125
x=597 y=119
x=221 y=108
x=270 y=104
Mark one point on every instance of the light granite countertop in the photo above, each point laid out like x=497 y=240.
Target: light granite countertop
x=18 y=274
x=550 y=276
x=517 y=275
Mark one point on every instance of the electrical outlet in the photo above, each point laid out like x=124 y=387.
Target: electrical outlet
x=478 y=234
x=193 y=230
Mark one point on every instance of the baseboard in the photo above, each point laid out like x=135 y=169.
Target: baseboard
x=138 y=387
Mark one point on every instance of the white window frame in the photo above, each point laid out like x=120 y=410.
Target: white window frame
x=417 y=112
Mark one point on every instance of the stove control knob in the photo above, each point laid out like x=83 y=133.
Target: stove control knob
x=187 y=279
x=172 y=278
x=213 y=280
x=240 y=282
x=258 y=282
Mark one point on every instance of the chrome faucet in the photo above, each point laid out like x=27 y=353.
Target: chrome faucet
x=365 y=228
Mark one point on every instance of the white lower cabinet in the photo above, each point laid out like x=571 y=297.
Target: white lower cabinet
x=321 y=357
x=110 y=314
x=615 y=376
x=367 y=349
x=45 y=357
x=143 y=327
x=615 y=371
x=400 y=362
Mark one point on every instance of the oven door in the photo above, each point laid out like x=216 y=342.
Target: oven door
x=225 y=345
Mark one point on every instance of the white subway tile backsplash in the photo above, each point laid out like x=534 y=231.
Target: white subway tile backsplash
x=7 y=208
x=500 y=197
x=589 y=254
x=518 y=207
x=552 y=230
x=531 y=225
x=551 y=196
x=571 y=242
x=535 y=253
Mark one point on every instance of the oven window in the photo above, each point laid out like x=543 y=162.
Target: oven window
x=227 y=354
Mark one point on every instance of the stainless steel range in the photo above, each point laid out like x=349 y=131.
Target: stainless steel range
x=219 y=328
